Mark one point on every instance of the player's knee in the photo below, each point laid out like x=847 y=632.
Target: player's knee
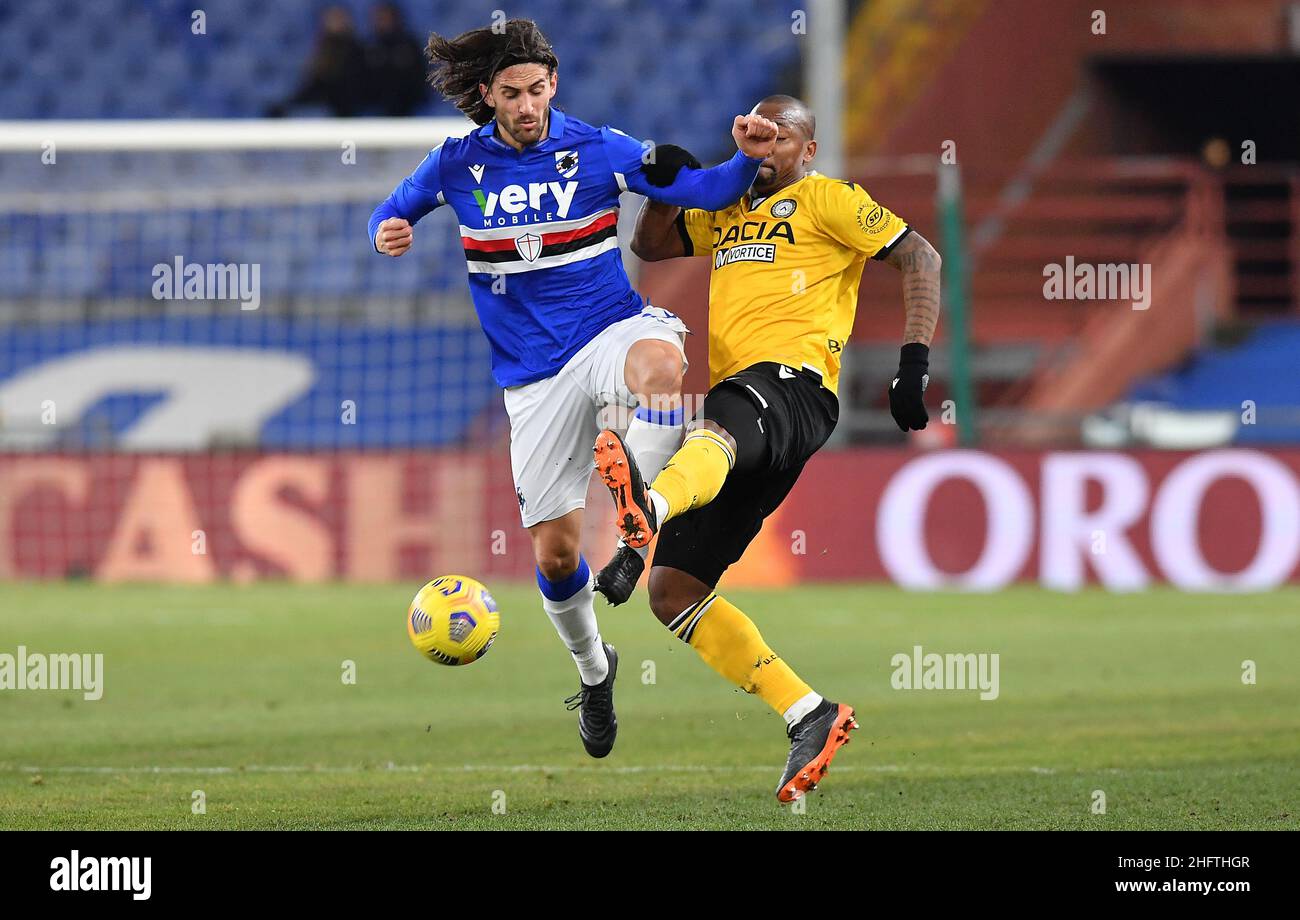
x=557 y=558
x=716 y=427
x=671 y=593
x=557 y=565
x=654 y=368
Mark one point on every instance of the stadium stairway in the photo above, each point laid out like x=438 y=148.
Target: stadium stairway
x=1263 y=225
x=1163 y=220
x=1036 y=192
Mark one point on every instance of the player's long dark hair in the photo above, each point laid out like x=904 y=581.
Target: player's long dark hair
x=460 y=64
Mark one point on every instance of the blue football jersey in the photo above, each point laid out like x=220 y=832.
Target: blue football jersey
x=539 y=229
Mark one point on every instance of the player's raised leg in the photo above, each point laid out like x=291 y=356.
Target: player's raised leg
x=653 y=371
x=564 y=578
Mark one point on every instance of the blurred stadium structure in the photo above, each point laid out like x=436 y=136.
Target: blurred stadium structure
x=342 y=422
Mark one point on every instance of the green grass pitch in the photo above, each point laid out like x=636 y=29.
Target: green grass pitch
x=238 y=692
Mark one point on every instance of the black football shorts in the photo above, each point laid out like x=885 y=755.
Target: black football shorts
x=779 y=417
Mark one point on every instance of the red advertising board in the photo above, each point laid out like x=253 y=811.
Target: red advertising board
x=973 y=520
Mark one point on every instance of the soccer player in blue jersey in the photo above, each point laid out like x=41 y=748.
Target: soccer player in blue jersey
x=536 y=193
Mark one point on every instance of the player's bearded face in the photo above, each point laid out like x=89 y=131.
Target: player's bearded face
x=521 y=96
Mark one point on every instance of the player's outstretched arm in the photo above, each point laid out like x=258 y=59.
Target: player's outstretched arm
x=706 y=189
x=666 y=162
x=920 y=264
x=656 y=236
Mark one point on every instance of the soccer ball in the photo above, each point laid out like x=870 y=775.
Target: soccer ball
x=453 y=620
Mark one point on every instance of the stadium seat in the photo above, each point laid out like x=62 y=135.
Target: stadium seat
x=253 y=54
x=1261 y=369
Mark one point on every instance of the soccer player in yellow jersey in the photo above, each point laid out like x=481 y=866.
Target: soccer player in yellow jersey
x=787 y=261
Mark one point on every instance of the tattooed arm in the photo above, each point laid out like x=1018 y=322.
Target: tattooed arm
x=919 y=263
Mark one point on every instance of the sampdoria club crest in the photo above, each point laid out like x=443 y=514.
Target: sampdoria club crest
x=566 y=163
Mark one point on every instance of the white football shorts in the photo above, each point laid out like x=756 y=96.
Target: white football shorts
x=553 y=422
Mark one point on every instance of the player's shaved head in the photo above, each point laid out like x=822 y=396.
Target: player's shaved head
x=789 y=111
x=795 y=143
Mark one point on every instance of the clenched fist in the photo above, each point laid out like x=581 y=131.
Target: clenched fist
x=754 y=135
x=393 y=237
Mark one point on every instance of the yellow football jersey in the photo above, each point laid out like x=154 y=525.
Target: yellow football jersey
x=786 y=271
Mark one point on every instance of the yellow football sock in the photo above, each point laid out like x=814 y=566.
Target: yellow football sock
x=695 y=474
x=731 y=644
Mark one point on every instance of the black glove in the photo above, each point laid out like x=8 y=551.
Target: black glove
x=906 y=393
x=666 y=160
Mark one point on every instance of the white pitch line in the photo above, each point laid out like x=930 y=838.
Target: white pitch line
x=506 y=768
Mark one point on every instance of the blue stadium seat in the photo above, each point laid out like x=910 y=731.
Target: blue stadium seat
x=17 y=271
x=1262 y=369
x=667 y=72
x=254 y=52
